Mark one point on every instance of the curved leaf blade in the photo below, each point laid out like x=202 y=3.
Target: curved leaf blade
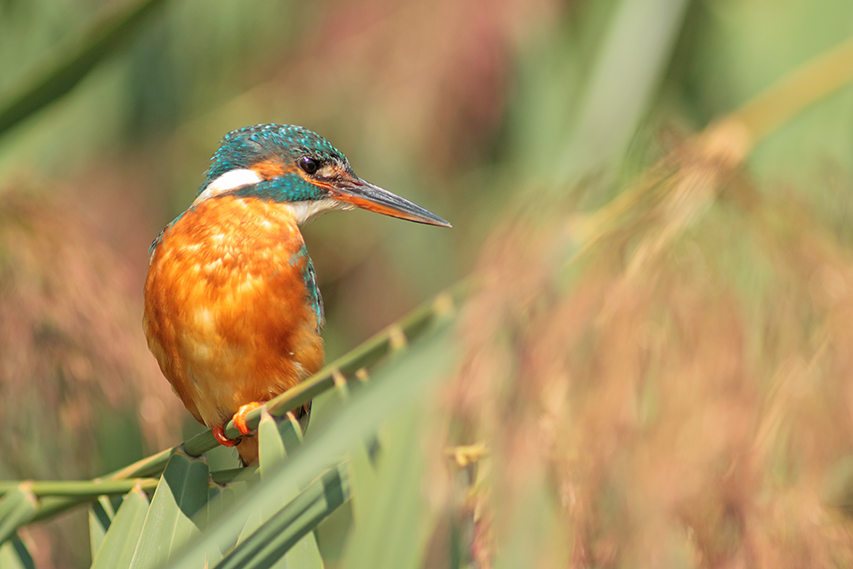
x=634 y=54
x=120 y=540
x=276 y=442
x=17 y=508
x=14 y=555
x=101 y=515
x=393 y=526
x=69 y=64
x=364 y=478
x=181 y=494
x=273 y=542
x=270 y=444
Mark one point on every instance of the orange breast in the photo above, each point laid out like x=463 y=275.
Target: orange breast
x=227 y=311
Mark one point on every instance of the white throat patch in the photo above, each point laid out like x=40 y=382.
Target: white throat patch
x=308 y=210
x=303 y=211
x=230 y=180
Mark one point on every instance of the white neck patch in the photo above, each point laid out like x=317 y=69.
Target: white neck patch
x=303 y=211
x=230 y=180
x=308 y=210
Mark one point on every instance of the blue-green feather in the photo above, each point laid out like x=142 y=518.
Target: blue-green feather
x=311 y=288
x=286 y=188
x=250 y=145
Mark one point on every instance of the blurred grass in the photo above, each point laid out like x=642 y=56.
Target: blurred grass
x=72 y=61
x=657 y=358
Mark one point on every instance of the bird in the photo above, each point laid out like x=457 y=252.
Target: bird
x=232 y=311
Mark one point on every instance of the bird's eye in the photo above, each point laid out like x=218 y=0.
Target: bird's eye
x=309 y=165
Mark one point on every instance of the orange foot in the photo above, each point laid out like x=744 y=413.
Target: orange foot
x=240 y=416
x=219 y=435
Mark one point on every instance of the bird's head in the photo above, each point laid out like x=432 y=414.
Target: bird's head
x=294 y=166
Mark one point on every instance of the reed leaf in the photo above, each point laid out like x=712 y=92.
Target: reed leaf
x=276 y=442
x=101 y=514
x=119 y=543
x=392 y=529
x=180 y=495
x=15 y=555
x=271 y=543
x=17 y=508
x=70 y=63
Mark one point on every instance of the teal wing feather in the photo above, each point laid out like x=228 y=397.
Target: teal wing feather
x=309 y=277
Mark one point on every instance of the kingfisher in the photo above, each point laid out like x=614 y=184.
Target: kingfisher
x=233 y=313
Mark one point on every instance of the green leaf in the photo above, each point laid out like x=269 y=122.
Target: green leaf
x=70 y=63
x=276 y=442
x=181 y=494
x=363 y=479
x=120 y=540
x=291 y=432
x=305 y=554
x=633 y=56
x=394 y=525
x=396 y=385
x=101 y=515
x=14 y=555
x=270 y=444
x=271 y=544
x=219 y=499
x=271 y=453
x=17 y=508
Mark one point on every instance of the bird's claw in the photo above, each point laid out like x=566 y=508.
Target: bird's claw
x=239 y=423
x=240 y=417
x=219 y=435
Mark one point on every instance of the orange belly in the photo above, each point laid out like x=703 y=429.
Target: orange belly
x=228 y=313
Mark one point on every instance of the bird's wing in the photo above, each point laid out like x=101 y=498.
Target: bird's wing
x=313 y=291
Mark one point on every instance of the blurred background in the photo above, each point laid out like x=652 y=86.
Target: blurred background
x=658 y=351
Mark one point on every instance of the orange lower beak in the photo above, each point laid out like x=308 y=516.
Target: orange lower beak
x=373 y=198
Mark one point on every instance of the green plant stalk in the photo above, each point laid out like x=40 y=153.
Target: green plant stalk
x=51 y=505
x=366 y=354
x=81 y=488
x=795 y=92
x=734 y=136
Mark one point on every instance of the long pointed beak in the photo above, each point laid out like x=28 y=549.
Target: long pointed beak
x=373 y=198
